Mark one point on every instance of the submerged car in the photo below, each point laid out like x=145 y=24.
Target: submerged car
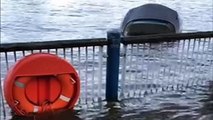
x=150 y=19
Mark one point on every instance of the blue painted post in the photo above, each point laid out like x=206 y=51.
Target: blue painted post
x=113 y=52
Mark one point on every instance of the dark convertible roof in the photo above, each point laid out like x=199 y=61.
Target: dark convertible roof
x=152 y=12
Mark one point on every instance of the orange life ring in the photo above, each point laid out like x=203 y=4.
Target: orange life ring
x=26 y=107
x=41 y=82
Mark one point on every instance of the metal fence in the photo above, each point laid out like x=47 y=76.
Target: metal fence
x=177 y=62
x=123 y=67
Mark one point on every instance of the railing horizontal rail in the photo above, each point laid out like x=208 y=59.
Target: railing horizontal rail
x=165 y=37
x=7 y=47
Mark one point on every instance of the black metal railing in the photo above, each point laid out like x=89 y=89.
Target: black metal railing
x=121 y=67
x=156 y=63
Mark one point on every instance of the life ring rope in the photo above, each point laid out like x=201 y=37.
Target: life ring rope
x=72 y=80
x=63 y=100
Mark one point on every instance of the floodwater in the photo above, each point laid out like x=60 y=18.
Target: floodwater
x=46 y=20
x=39 y=20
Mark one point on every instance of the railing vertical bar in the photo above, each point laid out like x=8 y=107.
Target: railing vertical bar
x=186 y=68
x=137 y=68
x=150 y=81
x=79 y=72
x=23 y=53
x=172 y=66
x=183 y=62
x=154 y=63
x=130 y=70
x=210 y=57
x=93 y=73
x=141 y=64
x=141 y=74
x=56 y=51
x=206 y=51
x=199 y=62
x=200 y=81
x=71 y=52
x=193 y=57
x=64 y=53
x=15 y=57
x=166 y=62
x=48 y=50
x=211 y=39
x=32 y=51
x=210 y=43
x=100 y=71
x=7 y=62
x=79 y=61
x=159 y=76
x=164 y=66
x=176 y=65
x=149 y=77
x=181 y=66
x=2 y=97
x=202 y=67
x=168 y=69
x=86 y=72
x=123 y=70
x=127 y=72
x=147 y=70
x=133 y=68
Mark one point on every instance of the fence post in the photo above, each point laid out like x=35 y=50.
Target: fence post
x=113 y=52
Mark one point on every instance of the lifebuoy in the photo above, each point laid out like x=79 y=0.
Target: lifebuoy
x=66 y=93
x=41 y=83
x=26 y=107
x=22 y=104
